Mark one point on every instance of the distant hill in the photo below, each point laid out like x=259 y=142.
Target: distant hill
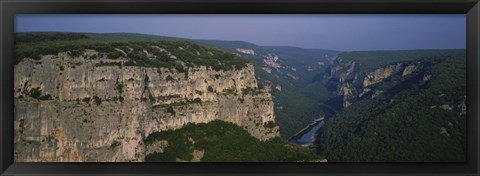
x=370 y=60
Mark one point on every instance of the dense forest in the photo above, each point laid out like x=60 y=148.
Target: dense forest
x=418 y=119
x=226 y=142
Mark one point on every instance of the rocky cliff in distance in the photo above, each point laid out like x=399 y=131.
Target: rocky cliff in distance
x=351 y=82
x=359 y=74
x=77 y=109
x=396 y=107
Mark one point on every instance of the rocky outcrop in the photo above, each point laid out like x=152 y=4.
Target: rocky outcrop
x=278 y=87
x=246 y=51
x=77 y=109
x=351 y=82
x=156 y=147
x=271 y=61
x=409 y=70
x=344 y=78
x=380 y=74
x=348 y=91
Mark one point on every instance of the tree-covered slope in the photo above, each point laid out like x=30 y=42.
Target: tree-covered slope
x=219 y=141
x=419 y=118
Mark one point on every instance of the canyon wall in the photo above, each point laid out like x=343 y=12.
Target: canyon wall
x=98 y=110
x=351 y=82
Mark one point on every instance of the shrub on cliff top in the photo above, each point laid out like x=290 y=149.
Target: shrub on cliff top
x=45 y=97
x=86 y=99
x=197 y=100
x=247 y=90
x=119 y=87
x=145 y=53
x=115 y=144
x=170 y=78
x=97 y=100
x=170 y=110
x=35 y=92
x=270 y=124
x=210 y=88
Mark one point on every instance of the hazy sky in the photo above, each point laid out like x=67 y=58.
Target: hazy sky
x=336 y=32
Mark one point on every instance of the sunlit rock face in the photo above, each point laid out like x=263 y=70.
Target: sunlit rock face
x=380 y=74
x=93 y=112
x=246 y=51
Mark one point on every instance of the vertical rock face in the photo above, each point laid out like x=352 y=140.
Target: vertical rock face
x=88 y=111
x=351 y=82
x=380 y=74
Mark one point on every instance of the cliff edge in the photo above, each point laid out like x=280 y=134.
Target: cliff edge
x=88 y=106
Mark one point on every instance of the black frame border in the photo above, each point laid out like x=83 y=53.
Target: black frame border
x=8 y=8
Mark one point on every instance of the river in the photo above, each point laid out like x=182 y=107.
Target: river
x=307 y=136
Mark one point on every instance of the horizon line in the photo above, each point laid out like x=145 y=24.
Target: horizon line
x=199 y=39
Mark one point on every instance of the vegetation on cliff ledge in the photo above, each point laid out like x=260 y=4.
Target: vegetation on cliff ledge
x=146 y=53
x=224 y=142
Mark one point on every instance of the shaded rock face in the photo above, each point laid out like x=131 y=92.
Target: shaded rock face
x=90 y=112
x=352 y=83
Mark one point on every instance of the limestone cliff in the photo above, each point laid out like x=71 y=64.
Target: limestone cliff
x=351 y=82
x=77 y=109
